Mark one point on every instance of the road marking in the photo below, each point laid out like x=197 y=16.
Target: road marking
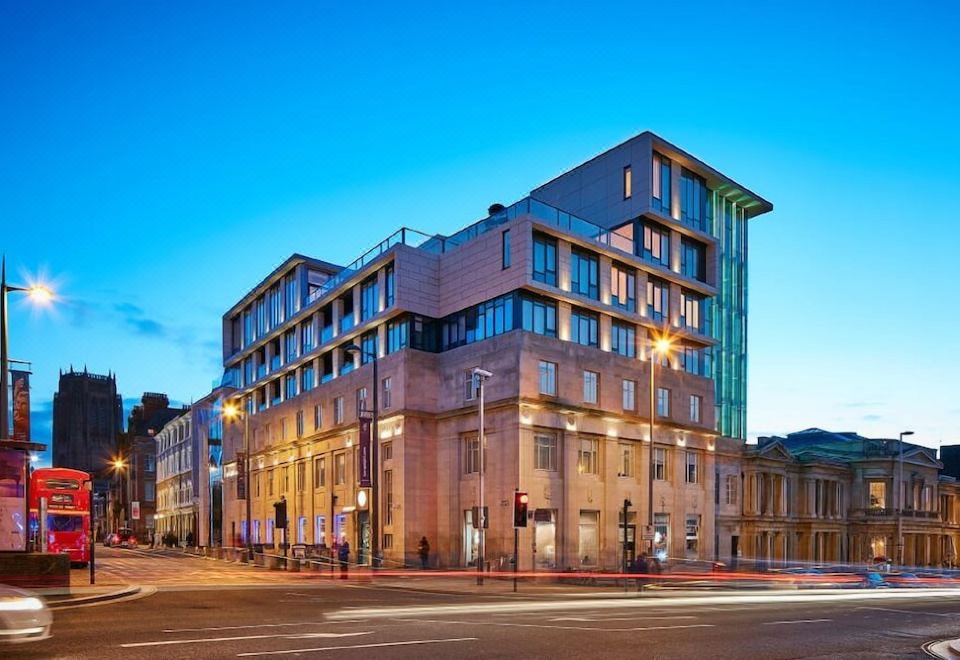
x=777 y=623
x=887 y=609
x=209 y=640
x=541 y=625
x=259 y=625
x=360 y=646
x=616 y=618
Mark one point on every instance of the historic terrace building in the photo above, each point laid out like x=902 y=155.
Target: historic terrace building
x=178 y=479
x=556 y=295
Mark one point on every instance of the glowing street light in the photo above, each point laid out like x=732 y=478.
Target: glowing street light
x=231 y=411
x=38 y=293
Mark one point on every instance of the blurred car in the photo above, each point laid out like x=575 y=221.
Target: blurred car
x=874 y=580
x=23 y=616
x=124 y=538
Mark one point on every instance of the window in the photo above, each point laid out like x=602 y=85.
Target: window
x=319 y=472
x=346 y=307
x=369 y=298
x=691 y=311
x=471 y=385
x=589 y=548
x=488 y=319
x=339 y=469
x=471 y=455
x=693 y=535
x=583 y=327
x=696 y=408
x=387 y=498
x=656 y=244
x=730 y=495
x=291 y=386
x=878 y=495
x=585 y=273
x=693 y=260
x=623 y=286
x=695 y=360
x=317 y=417
x=692 y=473
x=547 y=376
x=283 y=428
x=387 y=394
x=661 y=534
x=387 y=451
x=396 y=335
x=663 y=402
x=149 y=491
x=544 y=259
x=269 y=482
x=306 y=337
x=368 y=347
x=658 y=299
x=362 y=401
x=623 y=339
x=695 y=201
x=306 y=378
x=338 y=410
x=299 y=423
x=588 y=456
x=256 y=483
x=661 y=183
x=270 y=525
x=320 y=530
x=627 y=182
x=505 y=248
x=629 y=394
x=290 y=346
x=285 y=473
x=292 y=301
x=388 y=538
x=326 y=330
x=591 y=387
x=659 y=463
x=389 y=284
x=540 y=316
x=545 y=452
x=626 y=459
x=248 y=371
x=301 y=476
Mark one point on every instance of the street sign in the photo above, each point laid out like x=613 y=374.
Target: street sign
x=647 y=534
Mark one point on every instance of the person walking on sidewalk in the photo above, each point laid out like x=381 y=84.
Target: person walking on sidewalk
x=344 y=556
x=423 y=549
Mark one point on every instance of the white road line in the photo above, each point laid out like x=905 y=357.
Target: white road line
x=259 y=625
x=541 y=625
x=616 y=618
x=209 y=640
x=777 y=623
x=360 y=646
x=887 y=609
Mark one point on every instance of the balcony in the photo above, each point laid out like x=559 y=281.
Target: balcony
x=888 y=513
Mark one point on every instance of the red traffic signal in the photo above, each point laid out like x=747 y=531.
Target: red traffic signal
x=520 y=502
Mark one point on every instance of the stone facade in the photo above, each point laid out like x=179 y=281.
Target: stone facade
x=178 y=480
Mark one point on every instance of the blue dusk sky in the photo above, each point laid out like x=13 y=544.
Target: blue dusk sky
x=160 y=158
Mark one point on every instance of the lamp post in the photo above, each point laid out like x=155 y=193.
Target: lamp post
x=374 y=453
x=901 y=496
x=232 y=411
x=39 y=294
x=659 y=346
x=118 y=467
x=480 y=376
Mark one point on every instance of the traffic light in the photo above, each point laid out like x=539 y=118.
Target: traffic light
x=520 y=501
x=280 y=513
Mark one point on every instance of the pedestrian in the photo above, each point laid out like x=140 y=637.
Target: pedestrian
x=423 y=549
x=189 y=539
x=344 y=555
x=643 y=567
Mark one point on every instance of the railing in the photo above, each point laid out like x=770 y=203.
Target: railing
x=876 y=512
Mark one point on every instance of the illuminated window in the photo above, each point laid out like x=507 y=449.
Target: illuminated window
x=627 y=182
x=591 y=387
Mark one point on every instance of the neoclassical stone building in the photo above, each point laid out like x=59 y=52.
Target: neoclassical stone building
x=820 y=496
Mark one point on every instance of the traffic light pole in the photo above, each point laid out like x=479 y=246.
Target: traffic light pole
x=516 y=552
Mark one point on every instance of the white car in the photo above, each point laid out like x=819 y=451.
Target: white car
x=23 y=616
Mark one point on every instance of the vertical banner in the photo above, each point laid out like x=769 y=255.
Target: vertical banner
x=21 y=405
x=364 y=453
x=135 y=510
x=241 y=475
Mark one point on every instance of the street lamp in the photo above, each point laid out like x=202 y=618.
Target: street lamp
x=374 y=453
x=659 y=346
x=480 y=376
x=901 y=496
x=231 y=411
x=39 y=294
x=119 y=465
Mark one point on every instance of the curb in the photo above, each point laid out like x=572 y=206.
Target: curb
x=99 y=598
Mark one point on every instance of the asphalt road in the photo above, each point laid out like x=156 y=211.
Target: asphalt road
x=358 y=619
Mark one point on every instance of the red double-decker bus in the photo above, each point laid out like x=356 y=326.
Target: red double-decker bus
x=68 y=510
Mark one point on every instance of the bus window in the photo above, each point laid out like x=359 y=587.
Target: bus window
x=59 y=523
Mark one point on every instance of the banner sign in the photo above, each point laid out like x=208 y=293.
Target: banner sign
x=241 y=475
x=21 y=405
x=364 y=453
x=135 y=510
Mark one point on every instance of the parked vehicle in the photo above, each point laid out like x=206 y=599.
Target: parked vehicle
x=123 y=538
